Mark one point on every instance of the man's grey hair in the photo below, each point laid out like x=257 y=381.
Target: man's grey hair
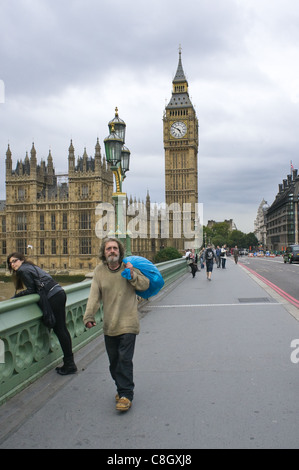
x=120 y=246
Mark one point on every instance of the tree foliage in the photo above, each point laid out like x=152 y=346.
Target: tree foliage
x=221 y=234
x=167 y=254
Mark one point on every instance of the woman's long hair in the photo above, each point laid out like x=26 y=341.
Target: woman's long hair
x=16 y=279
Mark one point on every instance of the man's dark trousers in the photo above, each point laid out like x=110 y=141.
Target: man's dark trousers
x=120 y=350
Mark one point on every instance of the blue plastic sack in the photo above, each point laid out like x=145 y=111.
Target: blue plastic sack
x=149 y=270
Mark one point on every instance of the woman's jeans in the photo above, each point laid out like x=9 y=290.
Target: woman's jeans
x=57 y=303
x=120 y=350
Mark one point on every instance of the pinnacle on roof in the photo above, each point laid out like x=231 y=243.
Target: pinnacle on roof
x=180 y=75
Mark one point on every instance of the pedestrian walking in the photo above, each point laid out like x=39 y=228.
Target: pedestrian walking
x=218 y=259
x=193 y=263
x=236 y=254
x=121 y=321
x=209 y=259
x=28 y=276
x=223 y=256
x=201 y=258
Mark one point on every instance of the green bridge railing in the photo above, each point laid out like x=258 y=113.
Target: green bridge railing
x=28 y=349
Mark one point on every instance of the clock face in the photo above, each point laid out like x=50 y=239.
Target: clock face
x=178 y=129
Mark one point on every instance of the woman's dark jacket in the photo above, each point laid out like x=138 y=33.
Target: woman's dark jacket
x=32 y=277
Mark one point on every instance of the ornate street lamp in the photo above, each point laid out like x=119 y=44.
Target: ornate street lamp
x=119 y=126
x=113 y=148
x=116 y=153
x=118 y=156
x=125 y=160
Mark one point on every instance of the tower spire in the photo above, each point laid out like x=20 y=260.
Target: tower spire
x=180 y=94
x=180 y=75
x=8 y=161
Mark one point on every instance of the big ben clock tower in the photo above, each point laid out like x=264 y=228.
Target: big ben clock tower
x=180 y=130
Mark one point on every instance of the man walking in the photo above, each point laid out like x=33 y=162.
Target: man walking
x=236 y=254
x=223 y=256
x=121 y=321
x=209 y=258
x=218 y=252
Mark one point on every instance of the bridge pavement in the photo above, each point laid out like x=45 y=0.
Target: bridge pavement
x=212 y=369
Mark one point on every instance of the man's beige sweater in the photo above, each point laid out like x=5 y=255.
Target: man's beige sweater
x=118 y=297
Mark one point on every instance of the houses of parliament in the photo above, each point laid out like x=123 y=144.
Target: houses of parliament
x=52 y=218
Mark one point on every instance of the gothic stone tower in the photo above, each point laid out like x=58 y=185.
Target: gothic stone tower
x=52 y=217
x=180 y=129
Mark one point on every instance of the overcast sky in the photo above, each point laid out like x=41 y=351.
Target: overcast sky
x=66 y=65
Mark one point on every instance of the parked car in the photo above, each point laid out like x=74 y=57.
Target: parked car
x=291 y=254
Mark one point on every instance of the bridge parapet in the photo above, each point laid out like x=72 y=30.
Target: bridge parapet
x=31 y=350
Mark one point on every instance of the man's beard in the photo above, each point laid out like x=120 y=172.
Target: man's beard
x=113 y=260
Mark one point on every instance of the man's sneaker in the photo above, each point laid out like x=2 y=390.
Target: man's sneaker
x=123 y=404
x=116 y=397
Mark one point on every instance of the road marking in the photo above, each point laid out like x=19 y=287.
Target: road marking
x=213 y=305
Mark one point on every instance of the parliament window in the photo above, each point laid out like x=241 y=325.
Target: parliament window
x=64 y=221
x=21 y=222
x=85 y=246
x=53 y=246
x=53 y=222
x=42 y=222
x=22 y=245
x=85 y=221
x=65 y=246
x=84 y=191
x=21 y=194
